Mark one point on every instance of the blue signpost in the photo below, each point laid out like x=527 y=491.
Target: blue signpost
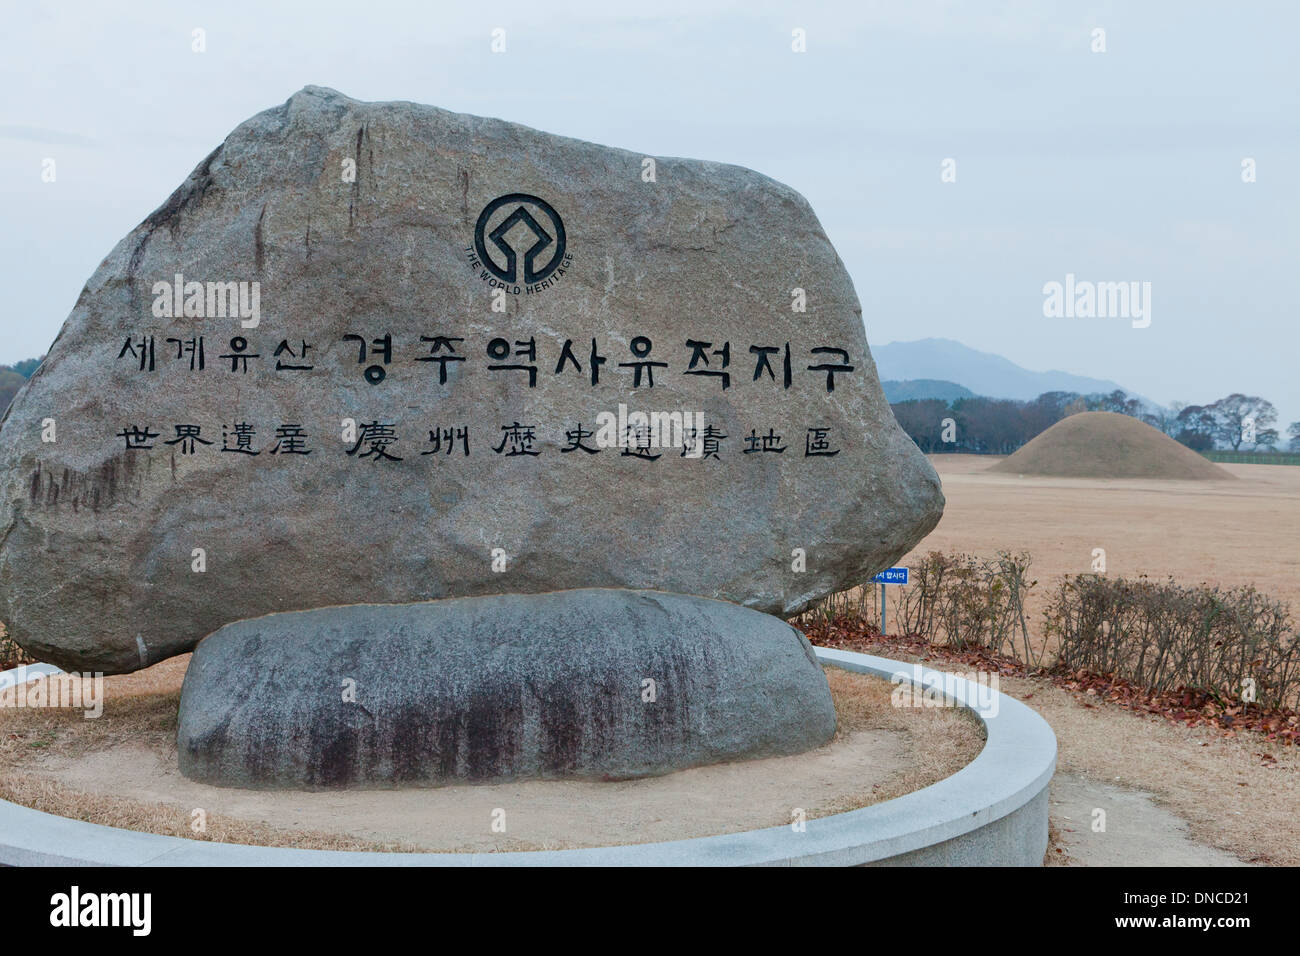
x=888 y=576
x=891 y=576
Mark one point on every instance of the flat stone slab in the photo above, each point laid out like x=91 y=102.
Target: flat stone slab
x=594 y=683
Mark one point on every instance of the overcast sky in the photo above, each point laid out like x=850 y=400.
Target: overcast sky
x=1117 y=166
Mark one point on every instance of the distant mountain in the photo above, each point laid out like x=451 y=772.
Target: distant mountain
x=981 y=372
x=920 y=388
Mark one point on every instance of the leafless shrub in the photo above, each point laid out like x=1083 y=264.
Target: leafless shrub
x=962 y=600
x=1226 y=642
x=11 y=655
x=953 y=599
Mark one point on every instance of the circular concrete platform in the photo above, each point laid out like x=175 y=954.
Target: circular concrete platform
x=992 y=812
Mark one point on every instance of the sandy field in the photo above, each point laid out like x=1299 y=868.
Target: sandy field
x=1231 y=533
x=120 y=769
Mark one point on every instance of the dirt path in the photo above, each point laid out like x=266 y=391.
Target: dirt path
x=1137 y=831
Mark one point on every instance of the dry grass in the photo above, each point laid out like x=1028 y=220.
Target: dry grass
x=140 y=707
x=1056 y=854
x=1238 y=794
x=11 y=655
x=141 y=715
x=941 y=740
x=149 y=720
x=52 y=797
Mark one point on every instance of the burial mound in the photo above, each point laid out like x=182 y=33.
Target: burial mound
x=1108 y=445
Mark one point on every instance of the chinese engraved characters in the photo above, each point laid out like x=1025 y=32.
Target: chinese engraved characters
x=377 y=441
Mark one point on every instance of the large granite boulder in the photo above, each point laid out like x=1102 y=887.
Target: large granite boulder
x=596 y=683
x=380 y=352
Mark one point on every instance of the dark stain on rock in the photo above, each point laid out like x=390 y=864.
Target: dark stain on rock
x=446 y=735
x=99 y=488
x=336 y=765
x=259 y=247
x=407 y=744
x=356 y=177
x=492 y=728
x=562 y=736
x=190 y=193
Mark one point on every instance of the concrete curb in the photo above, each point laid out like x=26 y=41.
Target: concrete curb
x=25 y=672
x=992 y=812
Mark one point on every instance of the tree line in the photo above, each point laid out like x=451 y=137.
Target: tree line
x=999 y=426
x=12 y=378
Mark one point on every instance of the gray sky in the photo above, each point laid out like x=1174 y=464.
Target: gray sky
x=1122 y=165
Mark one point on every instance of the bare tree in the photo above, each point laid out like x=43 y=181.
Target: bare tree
x=1166 y=419
x=922 y=419
x=1196 y=427
x=1232 y=415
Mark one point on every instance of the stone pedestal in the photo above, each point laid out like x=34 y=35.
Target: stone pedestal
x=592 y=683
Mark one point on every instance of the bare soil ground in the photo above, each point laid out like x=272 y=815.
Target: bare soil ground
x=1133 y=827
x=120 y=770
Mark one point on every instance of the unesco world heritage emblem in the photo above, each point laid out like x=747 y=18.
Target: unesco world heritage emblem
x=519 y=244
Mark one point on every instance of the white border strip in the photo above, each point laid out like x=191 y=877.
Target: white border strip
x=25 y=672
x=1014 y=769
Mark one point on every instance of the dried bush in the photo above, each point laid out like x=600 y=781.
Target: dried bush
x=962 y=600
x=1166 y=637
x=1227 y=643
x=860 y=603
x=11 y=655
x=954 y=599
